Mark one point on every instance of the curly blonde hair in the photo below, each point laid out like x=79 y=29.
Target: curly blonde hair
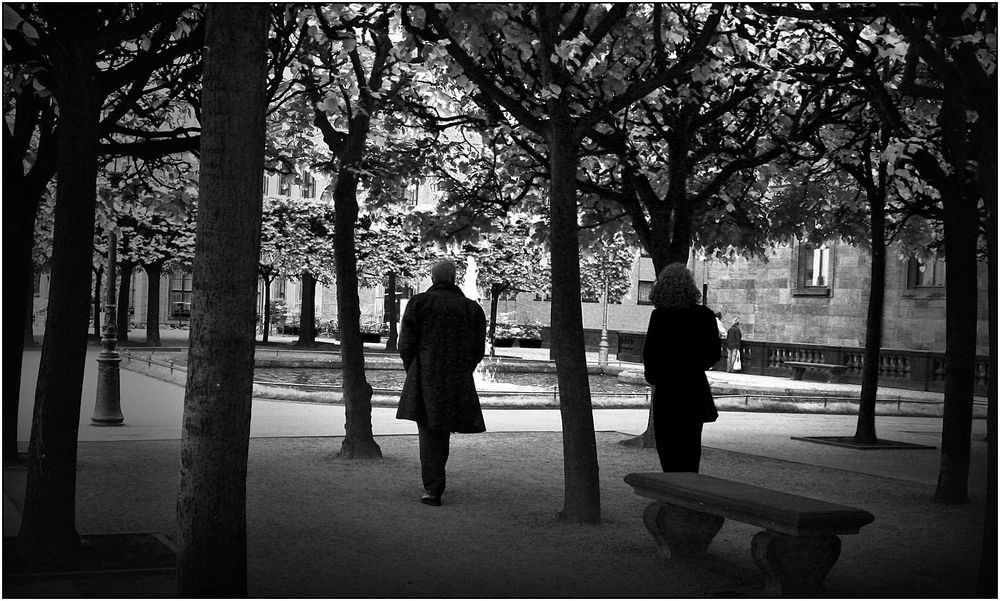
x=675 y=288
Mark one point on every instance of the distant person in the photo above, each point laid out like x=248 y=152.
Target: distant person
x=682 y=341
x=734 y=340
x=441 y=341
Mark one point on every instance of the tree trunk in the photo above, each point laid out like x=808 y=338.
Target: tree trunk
x=582 y=499
x=865 y=432
x=48 y=528
x=359 y=442
x=986 y=586
x=266 y=326
x=97 y=301
x=23 y=192
x=961 y=231
x=211 y=502
x=307 y=313
x=154 y=272
x=124 y=299
x=390 y=311
x=19 y=218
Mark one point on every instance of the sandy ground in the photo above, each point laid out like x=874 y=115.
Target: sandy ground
x=319 y=526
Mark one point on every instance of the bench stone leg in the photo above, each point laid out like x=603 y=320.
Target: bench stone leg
x=678 y=531
x=798 y=372
x=793 y=565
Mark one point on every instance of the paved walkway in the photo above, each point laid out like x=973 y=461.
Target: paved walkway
x=153 y=409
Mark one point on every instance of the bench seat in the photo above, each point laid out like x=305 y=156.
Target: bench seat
x=833 y=371
x=797 y=548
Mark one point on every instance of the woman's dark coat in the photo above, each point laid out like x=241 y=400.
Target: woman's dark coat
x=681 y=343
x=442 y=339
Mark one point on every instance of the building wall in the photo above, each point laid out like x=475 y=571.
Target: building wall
x=761 y=295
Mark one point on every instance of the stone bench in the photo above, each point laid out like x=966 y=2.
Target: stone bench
x=833 y=370
x=796 y=549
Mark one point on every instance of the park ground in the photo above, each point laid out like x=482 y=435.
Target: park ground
x=321 y=526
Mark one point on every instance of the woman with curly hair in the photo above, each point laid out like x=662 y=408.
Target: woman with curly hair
x=682 y=341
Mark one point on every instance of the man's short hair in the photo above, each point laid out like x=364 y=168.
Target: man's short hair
x=443 y=272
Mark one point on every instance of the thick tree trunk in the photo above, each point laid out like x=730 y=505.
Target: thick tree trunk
x=961 y=231
x=865 y=432
x=19 y=227
x=986 y=585
x=582 y=500
x=23 y=193
x=359 y=442
x=124 y=300
x=307 y=314
x=48 y=530
x=211 y=502
x=390 y=311
x=154 y=272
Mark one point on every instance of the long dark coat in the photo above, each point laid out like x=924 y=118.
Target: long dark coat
x=681 y=343
x=442 y=339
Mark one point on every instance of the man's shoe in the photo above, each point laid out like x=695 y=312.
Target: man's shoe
x=428 y=499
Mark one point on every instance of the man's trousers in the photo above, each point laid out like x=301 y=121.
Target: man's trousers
x=433 y=457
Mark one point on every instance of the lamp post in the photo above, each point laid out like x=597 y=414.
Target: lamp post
x=107 y=408
x=602 y=347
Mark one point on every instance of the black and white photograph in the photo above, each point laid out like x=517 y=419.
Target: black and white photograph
x=499 y=300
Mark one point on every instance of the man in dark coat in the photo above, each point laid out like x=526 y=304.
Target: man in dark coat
x=442 y=339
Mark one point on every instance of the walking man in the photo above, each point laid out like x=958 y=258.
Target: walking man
x=442 y=339
x=734 y=340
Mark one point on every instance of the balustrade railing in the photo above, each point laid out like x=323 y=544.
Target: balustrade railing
x=913 y=370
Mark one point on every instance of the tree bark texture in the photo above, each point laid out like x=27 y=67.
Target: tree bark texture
x=582 y=500
x=211 y=502
x=307 y=314
x=359 y=442
x=153 y=273
x=48 y=528
x=124 y=299
x=961 y=233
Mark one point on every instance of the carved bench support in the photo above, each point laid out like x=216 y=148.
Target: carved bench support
x=680 y=532
x=793 y=565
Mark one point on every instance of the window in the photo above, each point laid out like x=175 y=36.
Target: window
x=266 y=189
x=816 y=267
x=645 y=287
x=308 y=188
x=37 y=284
x=413 y=194
x=923 y=274
x=589 y=296
x=180 y=296
x=285 y=181
x=539 y=296
x=814 y=270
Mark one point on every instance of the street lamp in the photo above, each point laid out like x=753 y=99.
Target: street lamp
x=107 y=408
x=602 y=347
